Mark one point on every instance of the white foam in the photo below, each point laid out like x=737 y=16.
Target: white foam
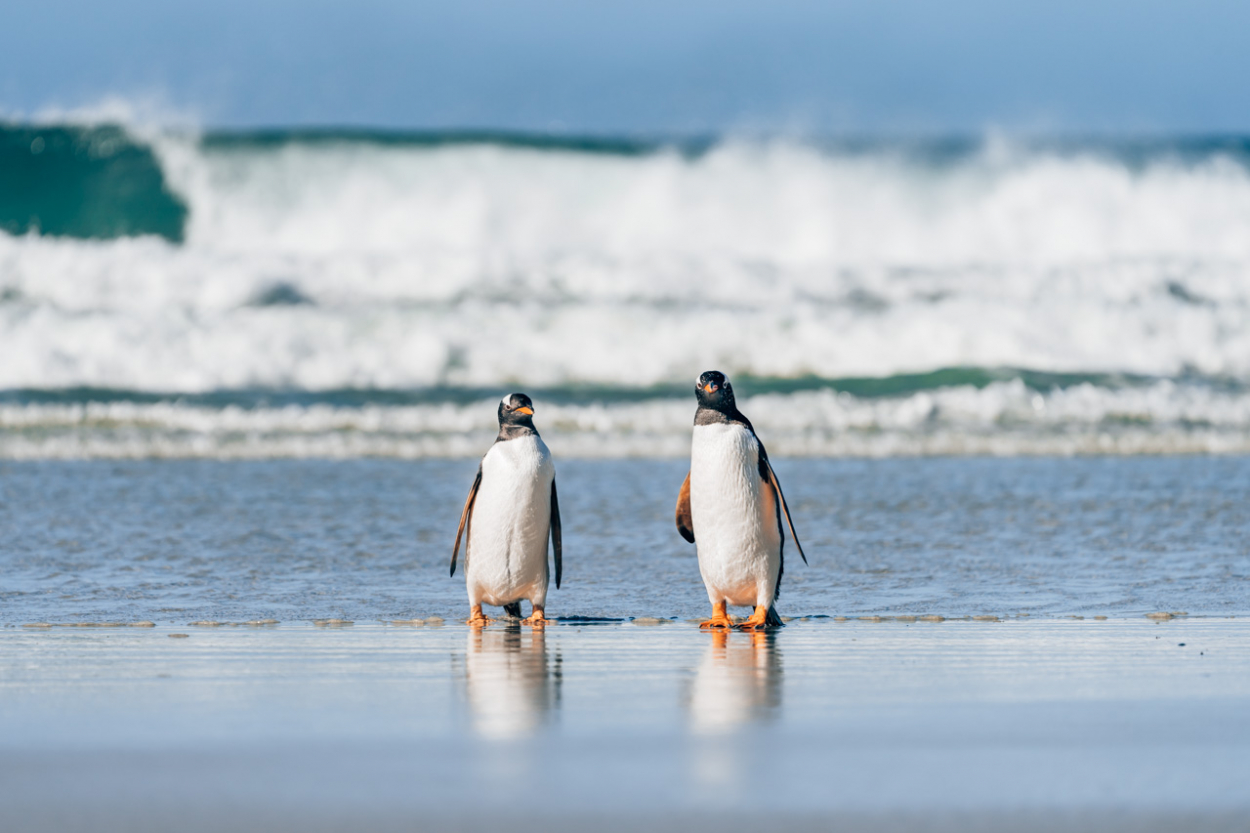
x=1003 y=418
x=485 y=265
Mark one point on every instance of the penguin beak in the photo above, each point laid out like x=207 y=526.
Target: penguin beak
x=525 y=410
x=709 y=387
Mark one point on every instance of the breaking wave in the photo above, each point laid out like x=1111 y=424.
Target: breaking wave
x=1002 y=418
x=181 y=269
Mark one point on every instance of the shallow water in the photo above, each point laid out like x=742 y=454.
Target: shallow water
x=184 y=541
x=1057 y=725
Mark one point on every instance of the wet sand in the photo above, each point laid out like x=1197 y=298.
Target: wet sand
x=1122 y=724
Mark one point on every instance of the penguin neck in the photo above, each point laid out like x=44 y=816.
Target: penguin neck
x=717 y=416
x=515 y=430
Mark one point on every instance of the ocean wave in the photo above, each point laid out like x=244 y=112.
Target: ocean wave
x=330 y=261
x=84 y=181
x=1002 y=418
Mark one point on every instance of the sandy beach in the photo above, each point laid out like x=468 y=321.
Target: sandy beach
x=1122 y=724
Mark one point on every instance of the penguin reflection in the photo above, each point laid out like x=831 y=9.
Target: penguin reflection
x=737 y=682
x=511 y=685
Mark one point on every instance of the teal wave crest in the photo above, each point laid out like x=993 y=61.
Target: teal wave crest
x=85 y=182
x=902 y=384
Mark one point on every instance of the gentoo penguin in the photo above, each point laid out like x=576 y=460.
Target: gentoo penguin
x=511 y=509
x=731 y=504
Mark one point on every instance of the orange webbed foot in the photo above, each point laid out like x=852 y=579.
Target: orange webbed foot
x=758 y=619
x=536 y=619
x=720 y=619
x=477 y=619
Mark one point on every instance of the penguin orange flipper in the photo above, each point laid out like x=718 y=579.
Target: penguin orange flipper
x=685 y=524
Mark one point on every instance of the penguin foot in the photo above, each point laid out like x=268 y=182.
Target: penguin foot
x=720 y=619
x=758 y=619
x=536 y=619
x=477 y=619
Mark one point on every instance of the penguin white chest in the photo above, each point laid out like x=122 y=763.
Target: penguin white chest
x=506 y=560
x=734 y=515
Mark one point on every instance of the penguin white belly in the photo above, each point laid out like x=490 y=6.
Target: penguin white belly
x=506 y=559
x=734 y=515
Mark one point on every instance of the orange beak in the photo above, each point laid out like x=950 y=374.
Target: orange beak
x=709 y=387
x=525 y=410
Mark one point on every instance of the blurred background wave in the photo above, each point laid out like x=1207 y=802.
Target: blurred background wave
x=881 y=270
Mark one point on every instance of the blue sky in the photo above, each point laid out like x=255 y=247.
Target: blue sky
x=889 y=66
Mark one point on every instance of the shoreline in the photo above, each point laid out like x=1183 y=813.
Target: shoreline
x=643 y=620
x=960 y=725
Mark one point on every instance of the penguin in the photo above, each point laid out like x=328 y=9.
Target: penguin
x=511 y=509
x=731 y=504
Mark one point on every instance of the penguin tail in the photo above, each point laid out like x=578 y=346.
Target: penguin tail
x=514 y=610
x=773 y=620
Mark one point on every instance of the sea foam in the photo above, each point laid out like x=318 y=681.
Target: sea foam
x=1004 y=418
x=348 y=262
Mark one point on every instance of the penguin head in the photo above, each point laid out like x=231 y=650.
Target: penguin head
x=516 y=409
x=713 y=390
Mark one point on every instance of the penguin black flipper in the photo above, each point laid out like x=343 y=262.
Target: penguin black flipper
x=557 y=547
x=770 y=477
x=685 y=523
x=466 y=520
